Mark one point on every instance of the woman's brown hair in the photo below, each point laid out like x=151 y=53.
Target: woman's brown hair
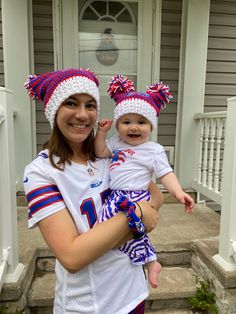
x=58 y=146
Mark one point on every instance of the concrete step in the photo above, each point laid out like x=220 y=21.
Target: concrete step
x=176 y=284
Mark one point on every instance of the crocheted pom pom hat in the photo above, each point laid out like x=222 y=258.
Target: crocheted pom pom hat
x=146 y=104
x=53 y=88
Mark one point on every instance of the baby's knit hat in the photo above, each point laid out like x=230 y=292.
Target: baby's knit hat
x=53 y=88
x=146 y=104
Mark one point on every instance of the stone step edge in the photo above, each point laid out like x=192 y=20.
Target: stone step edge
x=171 y=279
x=46 y=260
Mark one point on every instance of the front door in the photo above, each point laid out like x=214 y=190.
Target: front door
x=110 y=37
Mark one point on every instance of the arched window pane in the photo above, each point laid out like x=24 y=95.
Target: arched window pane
x=107 y=11
x=124 y=17
x=100 y=7
x=115 y=8
x=90 y=15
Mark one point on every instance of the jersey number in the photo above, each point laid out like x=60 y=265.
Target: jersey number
x=88 y=207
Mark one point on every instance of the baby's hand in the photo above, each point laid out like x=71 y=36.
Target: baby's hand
x=104 y=125
x=187 y=200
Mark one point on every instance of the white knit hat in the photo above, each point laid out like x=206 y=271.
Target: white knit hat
x=53 y=88
x=128 y=100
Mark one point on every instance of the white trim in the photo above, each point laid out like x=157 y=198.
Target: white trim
x=31 y=67
x=15 y=275
x=226 y=266
x=57 y=33
x=170 y=154
x=70 y=29
x=192 y=69
x=3 y=265
x=217 y=197
x=228 y=213
x=145 y=47
x=16 y=71
x=156 y=40
x=208 y=115
x=156 y=52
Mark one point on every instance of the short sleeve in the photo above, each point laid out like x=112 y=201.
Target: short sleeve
x=112 y=143
x=42 y=194
x=161 y=165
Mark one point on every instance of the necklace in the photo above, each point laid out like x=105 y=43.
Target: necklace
x=90 y=172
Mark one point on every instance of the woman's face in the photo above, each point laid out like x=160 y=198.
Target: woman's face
x=76 y=118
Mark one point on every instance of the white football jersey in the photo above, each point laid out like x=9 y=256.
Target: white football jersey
x=111 y=284
x=132 y=167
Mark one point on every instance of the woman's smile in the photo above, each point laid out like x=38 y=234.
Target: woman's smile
x=76 y=118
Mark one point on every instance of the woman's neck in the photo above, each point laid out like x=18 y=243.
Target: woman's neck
x=79 y=157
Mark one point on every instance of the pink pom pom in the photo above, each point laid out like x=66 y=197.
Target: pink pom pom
x=160 y=93
x=120 y=84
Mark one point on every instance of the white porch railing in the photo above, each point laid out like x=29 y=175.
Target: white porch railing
x=211 y=145
x=10 y=269
x=216 y=175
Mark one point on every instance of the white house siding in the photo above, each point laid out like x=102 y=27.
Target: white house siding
x=221 y=59
x=2 y=83
x=169 y=71
x=43 y=58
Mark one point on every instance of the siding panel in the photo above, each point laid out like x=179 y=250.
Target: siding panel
x=221 y=57
x=169 y=67
x=43 y=58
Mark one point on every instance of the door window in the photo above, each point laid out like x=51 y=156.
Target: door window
x=108 y=43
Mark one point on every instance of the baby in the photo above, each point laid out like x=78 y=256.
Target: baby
x=134 y=160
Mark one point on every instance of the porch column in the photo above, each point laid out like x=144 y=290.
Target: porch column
x=227 y=242
x=10 y=268
x=16 y=69
x=193 y=57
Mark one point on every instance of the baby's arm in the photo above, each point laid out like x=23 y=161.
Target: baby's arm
x=171 y=183
x=101 y=149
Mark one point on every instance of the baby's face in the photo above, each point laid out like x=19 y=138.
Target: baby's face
x=134 y=129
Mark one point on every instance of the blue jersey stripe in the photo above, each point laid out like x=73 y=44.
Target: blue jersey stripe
x=45 y=202
x=40 y=191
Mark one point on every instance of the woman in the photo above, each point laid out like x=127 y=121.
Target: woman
x=66 y=186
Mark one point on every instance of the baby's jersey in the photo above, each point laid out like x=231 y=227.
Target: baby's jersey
x=132 y=167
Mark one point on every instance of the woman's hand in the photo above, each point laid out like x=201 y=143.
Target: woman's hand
x=157 y=198
x=149 y=215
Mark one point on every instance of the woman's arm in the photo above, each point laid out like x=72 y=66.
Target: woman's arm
x=76 y=251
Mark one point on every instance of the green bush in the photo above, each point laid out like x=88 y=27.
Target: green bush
x=204 y=298
x=3 y=310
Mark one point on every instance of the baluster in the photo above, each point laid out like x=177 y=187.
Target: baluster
x=217 y=162
x=222 y=145
x=211 y=156
x=205 y=151
x=200 y=151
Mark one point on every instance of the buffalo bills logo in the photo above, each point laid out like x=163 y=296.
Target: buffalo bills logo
x=117 y=158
